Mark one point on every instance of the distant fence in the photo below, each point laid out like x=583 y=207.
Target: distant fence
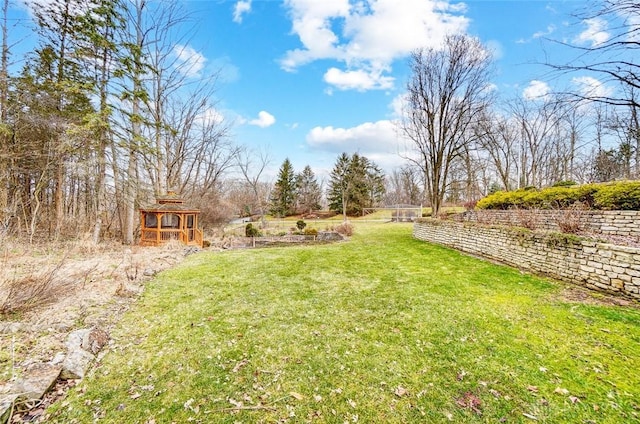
x=397 y=213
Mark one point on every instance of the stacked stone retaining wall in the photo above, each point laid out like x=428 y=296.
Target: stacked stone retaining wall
x=619 y=223
x=599 y=266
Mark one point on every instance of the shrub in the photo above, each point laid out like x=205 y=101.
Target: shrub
x=301 y=224
x=569 y=220
x=206 y=243
x=620 y=196
x=345 y=229
x=470 y=205
x=251 y=231
x=566 y=183
x=527 y=219
x=23 y=294
x=310 y=232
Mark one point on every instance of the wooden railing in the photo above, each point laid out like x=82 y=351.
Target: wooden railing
x=155 y=237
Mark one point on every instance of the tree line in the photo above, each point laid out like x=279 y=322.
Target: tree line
x=105 y=113
x=464 y=141
x=355 y=183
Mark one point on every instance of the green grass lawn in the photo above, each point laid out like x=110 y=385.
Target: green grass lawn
x=380 y=329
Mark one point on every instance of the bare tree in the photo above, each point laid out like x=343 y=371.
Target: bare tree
x=614 y=60
x=447 y=92
x=538 y=122
x=252 y=165
x=497 y=135
x=403 y=186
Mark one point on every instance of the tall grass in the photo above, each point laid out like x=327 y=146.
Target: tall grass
x=382 y=328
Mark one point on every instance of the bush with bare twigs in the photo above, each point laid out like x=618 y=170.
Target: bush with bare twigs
x=570 y=220
x=346 y=229
x=527 y=219
x=22 y=294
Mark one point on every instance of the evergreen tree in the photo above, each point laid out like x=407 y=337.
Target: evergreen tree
x=337 y=192
x=308 y=191
x=355 y=183
x=283 y=197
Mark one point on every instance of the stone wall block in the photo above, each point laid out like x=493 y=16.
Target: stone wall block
x=599 y=266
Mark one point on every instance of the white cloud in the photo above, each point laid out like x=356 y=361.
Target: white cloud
x=264 y=120
x=398 y=105
x=190 y=63
x=378 y=141
x=365 y=36
x=210 y=116
x=591 y=87
x=595 y=34
x=550 y=30
x=535 y=90
x=241 y=8
x=360 y=80
x=377 y=136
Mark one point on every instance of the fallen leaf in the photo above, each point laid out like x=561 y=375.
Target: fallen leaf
x=239 y=365
x=574 y=399
x=471 y=401
x=596 y=408
x=543 y=369
x=135 y=396
x=296 y=395
x=351 y=403
x=561 y=391
x=495 y=393
x=400 y=391
x=532 y=389
x=530 y=416
x=235 y=403
x=461 y=375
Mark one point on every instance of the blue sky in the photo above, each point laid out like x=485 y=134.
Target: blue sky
x=309 y=79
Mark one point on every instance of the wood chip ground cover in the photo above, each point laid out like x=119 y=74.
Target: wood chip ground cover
x=383 y=328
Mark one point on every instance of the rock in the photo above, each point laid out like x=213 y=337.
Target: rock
x=149 y=272
x=58 y=359
x=94 y=340
x=82 y=345
x=37 y=381
x=76 y=364
x=74 y=339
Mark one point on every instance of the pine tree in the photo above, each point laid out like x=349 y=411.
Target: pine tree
x=283 y=197
x=355 y=183
x=339 y=184
x=309 y=193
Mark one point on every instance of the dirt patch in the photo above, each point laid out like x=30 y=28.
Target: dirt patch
x=576 y=294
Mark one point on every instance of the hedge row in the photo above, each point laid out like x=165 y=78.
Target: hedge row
x=622 y=195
